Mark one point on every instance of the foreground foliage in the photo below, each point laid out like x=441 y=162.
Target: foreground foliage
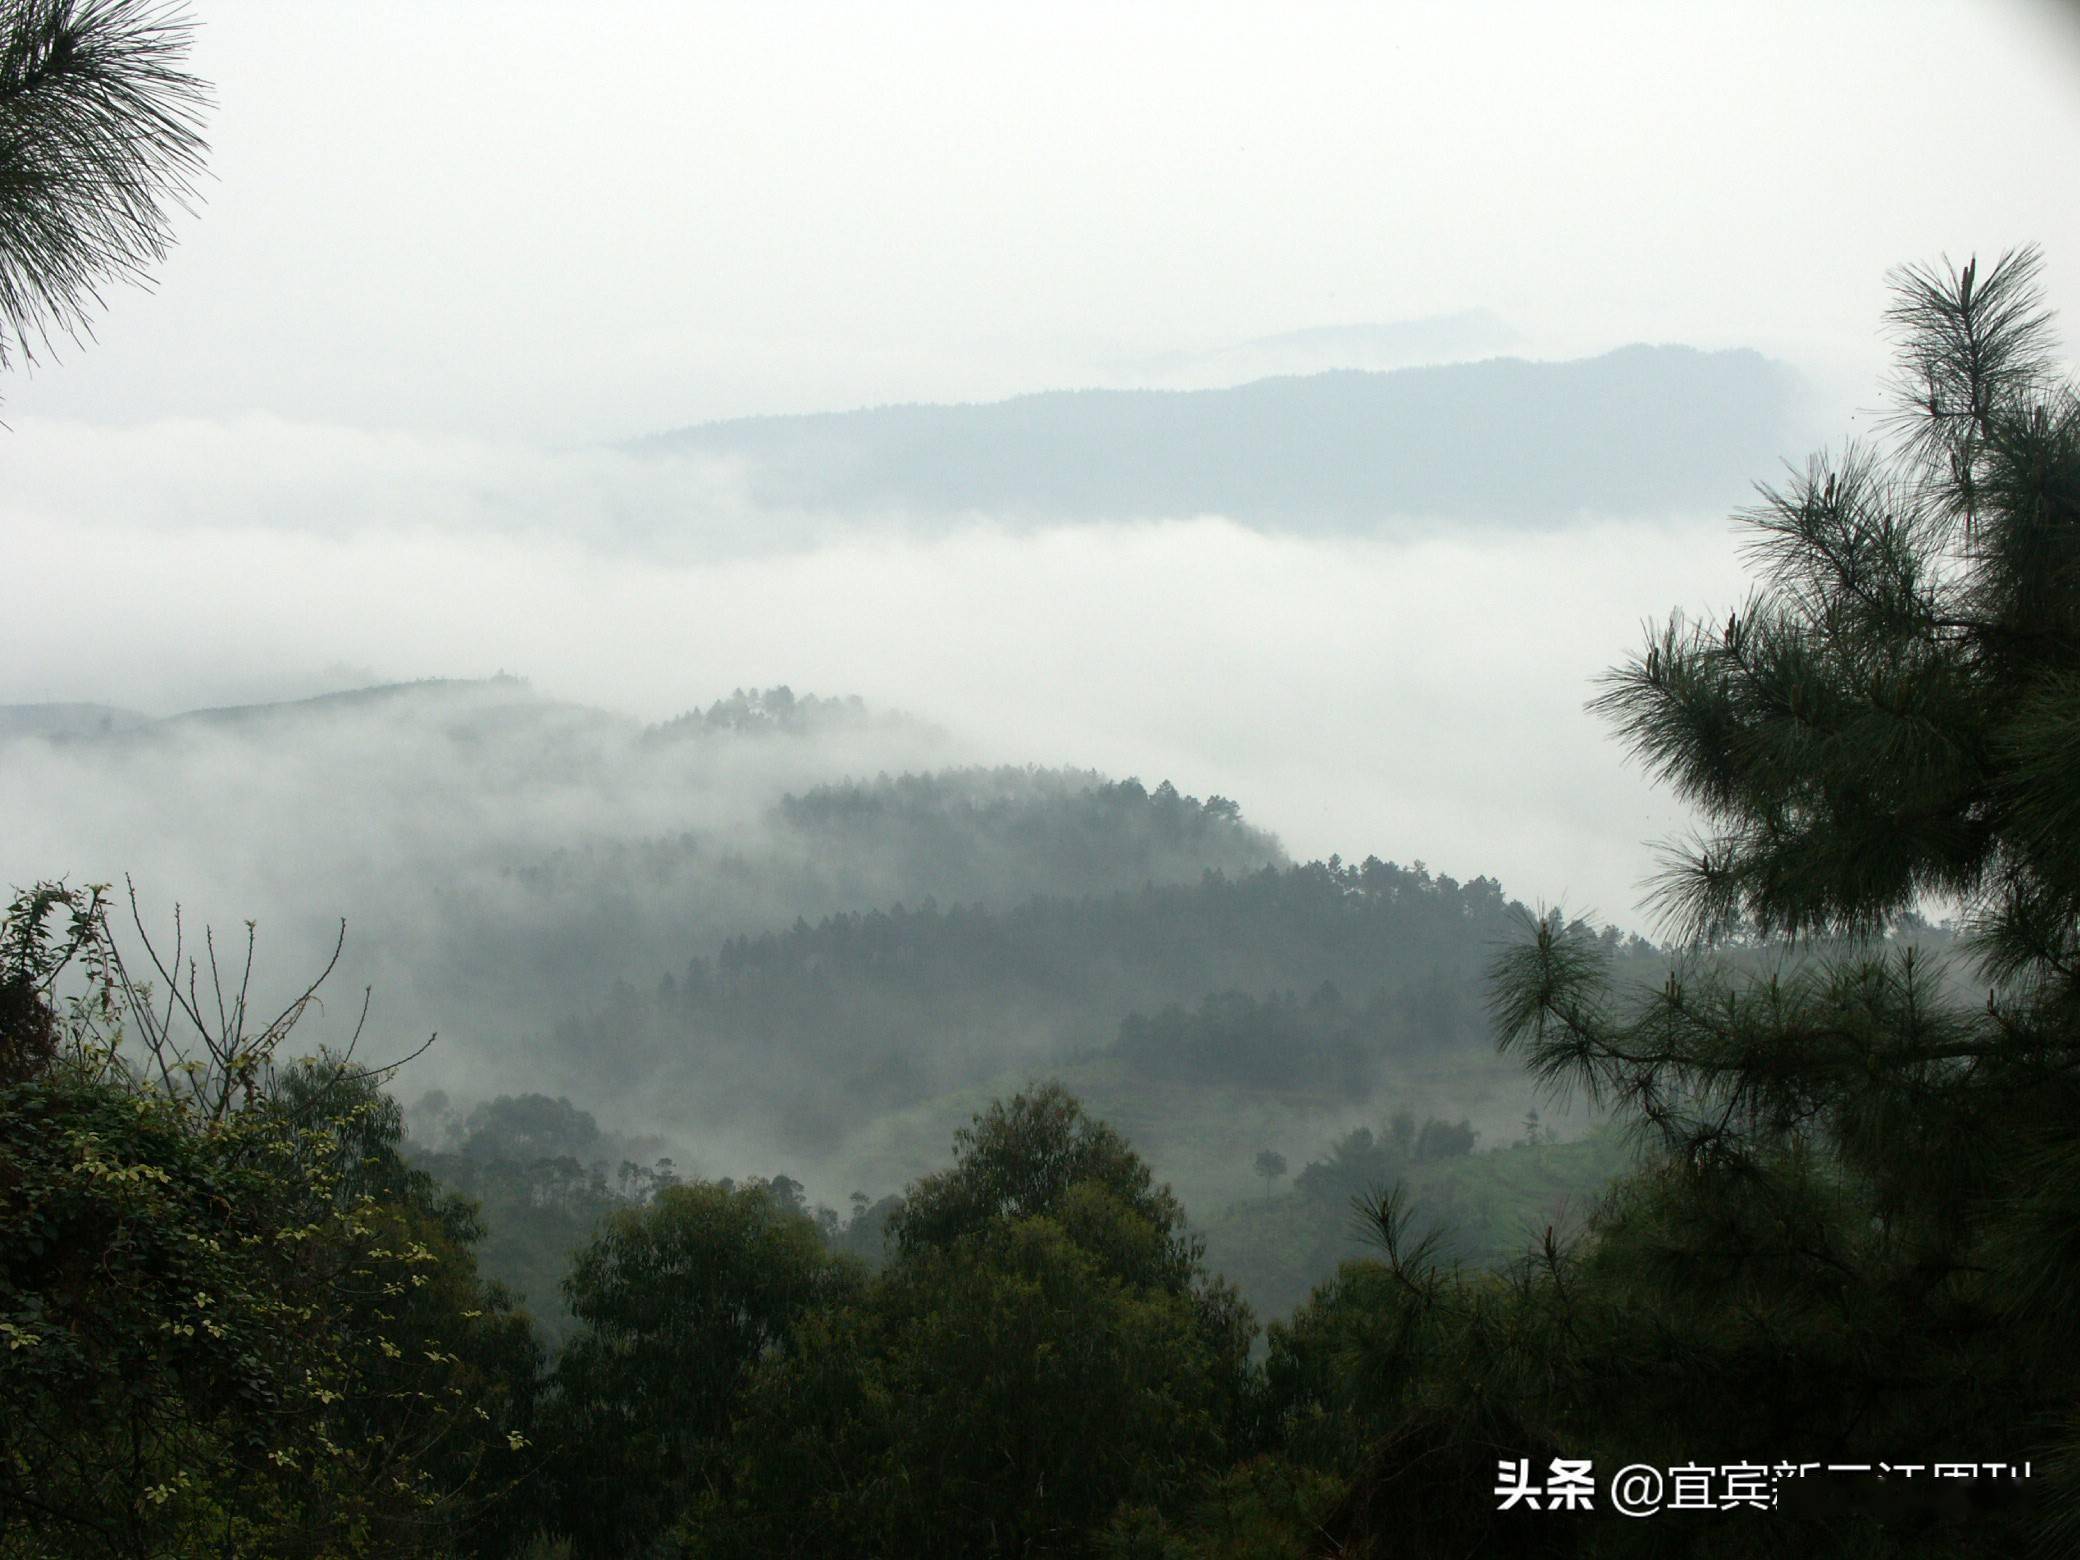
x=234 y=1322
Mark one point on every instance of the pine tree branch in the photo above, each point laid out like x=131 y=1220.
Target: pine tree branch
x=100 y=140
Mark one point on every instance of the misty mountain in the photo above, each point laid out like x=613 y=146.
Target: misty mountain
x=62 y=721
x=498 y=855
x=1319 y=980
x=450 y=701
x=578 y=917
x=1641 y=430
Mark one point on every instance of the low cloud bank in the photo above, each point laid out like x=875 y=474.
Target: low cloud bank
x=1417 y=697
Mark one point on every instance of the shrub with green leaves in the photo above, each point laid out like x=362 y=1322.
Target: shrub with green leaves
x=243 y=1330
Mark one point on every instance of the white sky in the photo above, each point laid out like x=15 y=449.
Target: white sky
x=446 y=246
x=578 y=222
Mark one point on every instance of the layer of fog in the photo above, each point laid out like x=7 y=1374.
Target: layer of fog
x=1415 y=697
x=1418 y=698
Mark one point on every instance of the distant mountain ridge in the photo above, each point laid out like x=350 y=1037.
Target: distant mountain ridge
x=443 y=693
x=64 y=722
x=459 y=702
x=1379 y=346
x=437 y=698
x=1643 y=429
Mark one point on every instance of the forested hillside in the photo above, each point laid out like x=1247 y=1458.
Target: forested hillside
x=1315 y=978
x=1193 y=1015
x=552 y=850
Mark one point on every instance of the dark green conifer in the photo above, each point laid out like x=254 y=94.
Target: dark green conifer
x=1851 y=1240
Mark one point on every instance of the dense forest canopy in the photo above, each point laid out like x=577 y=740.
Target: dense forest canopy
x=890 y=1007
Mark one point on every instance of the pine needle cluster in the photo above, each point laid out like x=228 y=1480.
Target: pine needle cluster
x=100 y=143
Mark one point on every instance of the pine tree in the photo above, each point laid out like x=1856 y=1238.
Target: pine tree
x=100 y=139
x=1855 y=1236
x=1863 y=1235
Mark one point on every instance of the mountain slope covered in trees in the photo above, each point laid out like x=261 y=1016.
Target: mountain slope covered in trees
x=498 y=854
x=1314 y=980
